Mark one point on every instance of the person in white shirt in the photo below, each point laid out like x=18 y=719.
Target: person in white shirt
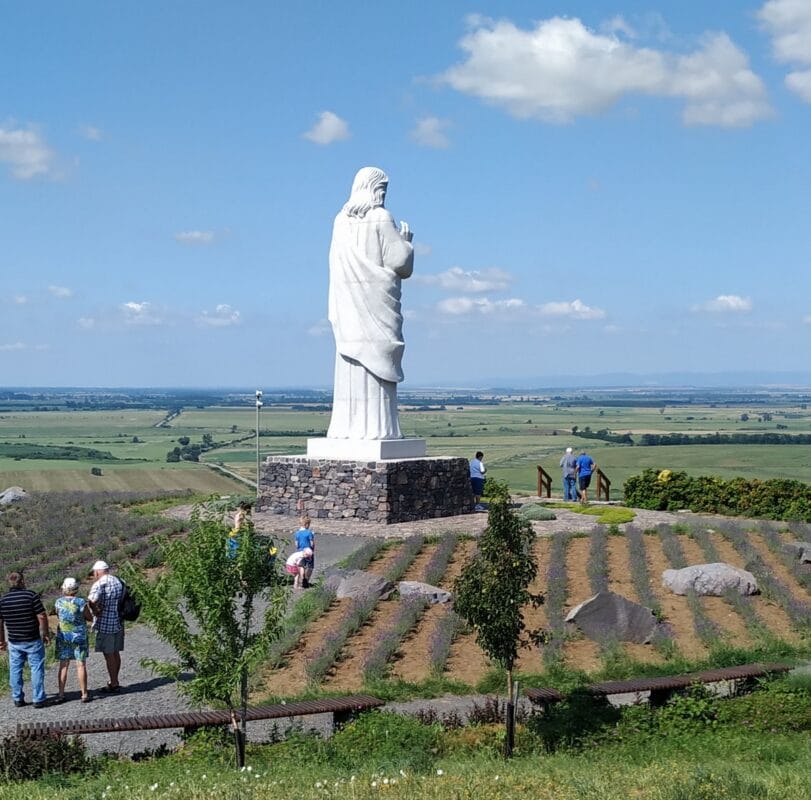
x=477 y=470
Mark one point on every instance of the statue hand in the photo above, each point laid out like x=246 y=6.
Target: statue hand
x=405 y=231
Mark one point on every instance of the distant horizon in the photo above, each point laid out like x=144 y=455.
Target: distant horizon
x=628 y=381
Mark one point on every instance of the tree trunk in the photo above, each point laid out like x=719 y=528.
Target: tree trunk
x=509 y=739
x=239 y=740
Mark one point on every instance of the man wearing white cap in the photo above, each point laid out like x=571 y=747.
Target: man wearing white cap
x=569 y=465
x=103 y=599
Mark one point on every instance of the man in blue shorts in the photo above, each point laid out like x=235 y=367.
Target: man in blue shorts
x=585 y=468
x=477 y=470
x=305 y=540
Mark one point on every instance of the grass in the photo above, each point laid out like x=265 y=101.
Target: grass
x=608 y=515
x=693 y=749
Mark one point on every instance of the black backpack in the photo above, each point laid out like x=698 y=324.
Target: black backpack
x=128 y=607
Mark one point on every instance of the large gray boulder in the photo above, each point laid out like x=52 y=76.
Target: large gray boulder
x=709 y=580
x=433 y=594
x=801 y=550
x=12 y=495
x=611 y=616
x=356 y=583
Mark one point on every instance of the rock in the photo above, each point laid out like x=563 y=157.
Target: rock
x=709 y=580
x=12 y=495
x=801 y=550
x=536 y=512
x=433 y=594
x=356 y=583
x=611 y=616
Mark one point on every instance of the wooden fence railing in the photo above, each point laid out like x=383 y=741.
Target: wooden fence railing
x=603 y=485
x=544 y=482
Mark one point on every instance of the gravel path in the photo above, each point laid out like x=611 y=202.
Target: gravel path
x=144 y=693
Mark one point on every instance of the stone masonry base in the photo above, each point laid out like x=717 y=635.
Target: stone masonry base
x=379 y=491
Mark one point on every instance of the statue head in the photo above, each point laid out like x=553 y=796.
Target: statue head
x=368 y=191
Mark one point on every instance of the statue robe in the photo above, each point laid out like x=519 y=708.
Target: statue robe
x=367 y=260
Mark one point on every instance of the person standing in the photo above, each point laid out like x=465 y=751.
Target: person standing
x=569 y=466
x=103 y=599
x=585 y=468
x=305 y=539
x=73 y=614
x=477 y=470
x=24 y=621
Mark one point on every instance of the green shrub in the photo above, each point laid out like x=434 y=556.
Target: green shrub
x=494 y=488
x=536 y=511
x=386 y=742
x=663 y=490
x=25 y=757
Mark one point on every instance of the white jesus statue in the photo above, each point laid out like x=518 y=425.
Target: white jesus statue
x=368 y=258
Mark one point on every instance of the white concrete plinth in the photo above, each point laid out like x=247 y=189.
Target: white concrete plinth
x=365 y=449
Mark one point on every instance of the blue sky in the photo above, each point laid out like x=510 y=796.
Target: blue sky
x=593 y=188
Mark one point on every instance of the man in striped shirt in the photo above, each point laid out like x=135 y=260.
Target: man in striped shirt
x=24 y=621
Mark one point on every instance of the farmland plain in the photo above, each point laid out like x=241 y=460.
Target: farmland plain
x=516 y=434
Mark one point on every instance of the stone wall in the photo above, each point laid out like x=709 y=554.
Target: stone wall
x=378 y=491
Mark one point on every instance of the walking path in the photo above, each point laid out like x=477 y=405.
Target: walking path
x=144 y=693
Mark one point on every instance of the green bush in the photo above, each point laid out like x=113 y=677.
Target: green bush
x=536 y=511
x=663 y=490
x=25 y=757
x=386 y=742
x=494 y=488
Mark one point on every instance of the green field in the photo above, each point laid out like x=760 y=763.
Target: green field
x=515 y=437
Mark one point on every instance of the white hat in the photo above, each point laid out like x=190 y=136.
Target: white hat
x=568 y=449
x=307 y=551
x=100 y=565
x=70 y=585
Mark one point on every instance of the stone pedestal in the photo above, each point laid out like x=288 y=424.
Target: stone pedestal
x=385 y=491
x=365 y=449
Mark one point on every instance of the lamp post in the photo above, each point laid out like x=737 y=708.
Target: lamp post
x=258 y=407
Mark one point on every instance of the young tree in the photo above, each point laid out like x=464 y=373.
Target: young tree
x=493 y=589
x=205 y=606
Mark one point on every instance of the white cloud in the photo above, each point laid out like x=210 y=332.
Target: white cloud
x=422 y=249
x=726 y=303
x=7 y=348
x=321 y=328
x=430 y=132
x=62 y=292
x=144 y=314
x=456 y=279
x=26 y=152
x=91 y=132
x=195 y=237
x=576 y=309
x=86 y=323
x=807 y=319
x=458 y=306
x=788 y=22
x=223 y=316
x=20 y=299
x=561 y=70
x=329 y=128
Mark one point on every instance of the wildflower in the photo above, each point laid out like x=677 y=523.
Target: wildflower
x=440 y=772
x=153 y=787
x=374 y=784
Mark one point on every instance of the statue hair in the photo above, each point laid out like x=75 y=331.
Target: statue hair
x=365 y=187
